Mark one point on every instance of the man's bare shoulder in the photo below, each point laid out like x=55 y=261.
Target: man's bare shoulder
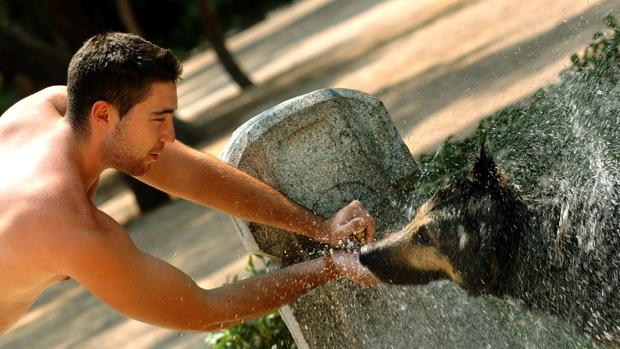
x=52 y=94
x=66 y=202
x=67 y=228
x=52 y=99
x=37 y=224
x=48 y=208
x=91 y=241
x=49 y=235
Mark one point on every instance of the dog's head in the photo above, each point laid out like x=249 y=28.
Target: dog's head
x=465 y=233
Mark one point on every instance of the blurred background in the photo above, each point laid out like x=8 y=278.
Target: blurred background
x=39 y=37
x=439 y=66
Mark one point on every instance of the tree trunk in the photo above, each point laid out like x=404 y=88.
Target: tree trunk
x=70 y=22
x=29 y=58
x=128 y=17
x=216 y=38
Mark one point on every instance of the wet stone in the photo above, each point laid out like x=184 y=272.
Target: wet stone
x=332 y=146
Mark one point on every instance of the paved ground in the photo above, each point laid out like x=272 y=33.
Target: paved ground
x=439 y=67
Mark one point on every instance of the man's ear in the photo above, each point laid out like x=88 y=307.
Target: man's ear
x=102 y=113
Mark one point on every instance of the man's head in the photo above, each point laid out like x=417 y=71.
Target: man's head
x=122 y=89
x=118 y=68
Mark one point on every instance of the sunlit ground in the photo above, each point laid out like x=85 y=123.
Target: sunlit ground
x=439 y=67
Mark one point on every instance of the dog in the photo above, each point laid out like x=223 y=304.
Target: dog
x=481 y=232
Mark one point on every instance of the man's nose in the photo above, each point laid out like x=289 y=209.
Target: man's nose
x=167 y=132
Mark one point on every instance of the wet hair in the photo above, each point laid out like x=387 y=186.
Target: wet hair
x=118 y=68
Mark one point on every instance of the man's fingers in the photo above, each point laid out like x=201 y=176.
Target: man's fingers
x=369 y=280
x=368 y=221
x=364 y=276
x=370 y=228
x=356 y=205
x=352 y=210
x=352 y=220
x=362 y=228
x=357 y=227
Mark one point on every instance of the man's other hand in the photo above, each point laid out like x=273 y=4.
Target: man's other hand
x=352 y=221
x=347 y=265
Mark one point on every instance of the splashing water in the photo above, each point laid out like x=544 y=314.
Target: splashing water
x=566 y=155
x=562 y=149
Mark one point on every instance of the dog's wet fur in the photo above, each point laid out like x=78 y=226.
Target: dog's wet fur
x=467 y=232
x=483 y=234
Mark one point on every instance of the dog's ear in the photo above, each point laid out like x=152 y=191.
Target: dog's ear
x=484 y=170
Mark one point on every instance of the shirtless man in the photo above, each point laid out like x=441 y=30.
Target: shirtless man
x=116 y=112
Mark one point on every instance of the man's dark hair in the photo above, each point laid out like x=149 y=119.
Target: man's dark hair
x=117 y=68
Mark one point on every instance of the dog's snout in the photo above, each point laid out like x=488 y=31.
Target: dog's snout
x=369 y=256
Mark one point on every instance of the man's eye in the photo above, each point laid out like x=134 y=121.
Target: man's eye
x=422 y=237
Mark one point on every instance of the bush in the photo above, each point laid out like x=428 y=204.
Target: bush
x=591 y=78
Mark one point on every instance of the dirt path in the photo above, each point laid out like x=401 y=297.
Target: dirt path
x=439 y=67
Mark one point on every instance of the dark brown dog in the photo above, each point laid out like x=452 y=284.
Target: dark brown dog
x=482 y=234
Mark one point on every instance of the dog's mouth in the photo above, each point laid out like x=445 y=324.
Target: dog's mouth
x=383 y=263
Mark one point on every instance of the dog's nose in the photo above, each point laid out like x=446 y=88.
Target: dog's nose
x=369 y=256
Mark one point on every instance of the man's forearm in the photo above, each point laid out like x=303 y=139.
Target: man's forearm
x=250 y=298
x=250 y=199
x=154 y=291
x=209 y=181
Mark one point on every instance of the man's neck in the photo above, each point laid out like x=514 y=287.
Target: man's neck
x=86 y=154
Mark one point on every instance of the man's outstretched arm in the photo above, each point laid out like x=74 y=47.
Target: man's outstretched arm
x=203 y=178
x=105 y=261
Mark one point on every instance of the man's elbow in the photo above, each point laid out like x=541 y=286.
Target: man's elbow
x=204 y=326
x=215 y=327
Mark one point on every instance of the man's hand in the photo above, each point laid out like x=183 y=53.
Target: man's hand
x=351 y=221
x=347 y=265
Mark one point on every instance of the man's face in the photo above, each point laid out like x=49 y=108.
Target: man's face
x=137 y=140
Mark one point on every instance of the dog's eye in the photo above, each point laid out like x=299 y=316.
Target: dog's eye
x=422 y=237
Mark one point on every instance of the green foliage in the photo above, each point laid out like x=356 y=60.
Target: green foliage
x=454 y=157
x=267 y=332
x=602 y=49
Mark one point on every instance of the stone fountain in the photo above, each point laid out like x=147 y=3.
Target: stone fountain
x=325 y=149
